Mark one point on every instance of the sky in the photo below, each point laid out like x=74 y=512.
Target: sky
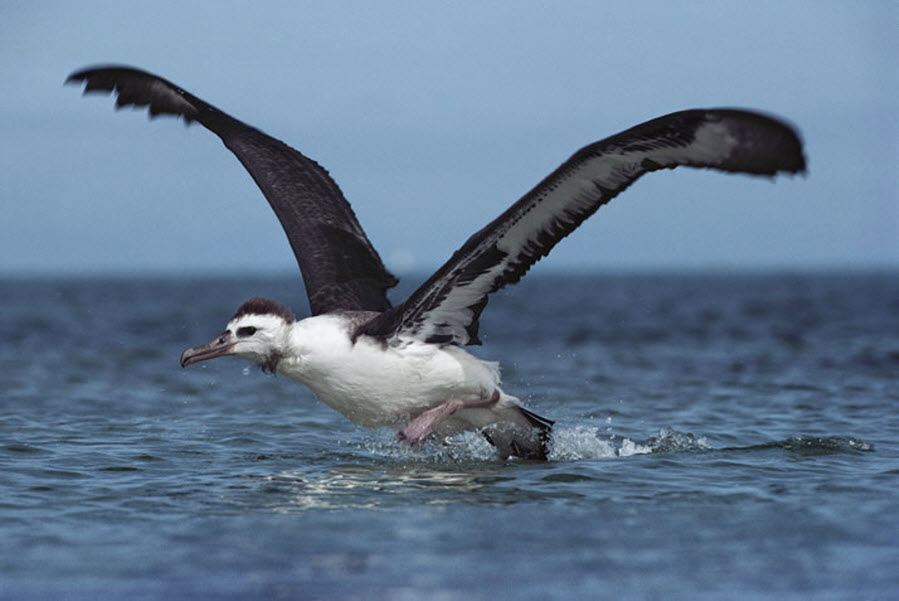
x=434 y=117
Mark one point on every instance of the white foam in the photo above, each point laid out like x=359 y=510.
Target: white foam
x=629 y=448
x=580 y=442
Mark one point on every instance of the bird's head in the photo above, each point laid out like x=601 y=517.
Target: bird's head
x=258 y=332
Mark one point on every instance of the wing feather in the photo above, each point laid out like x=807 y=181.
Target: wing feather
x=446 y=308
x=340 y=267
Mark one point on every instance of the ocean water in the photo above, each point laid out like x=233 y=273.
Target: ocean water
x=717 y=437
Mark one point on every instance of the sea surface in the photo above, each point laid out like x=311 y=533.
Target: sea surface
x=718 y=436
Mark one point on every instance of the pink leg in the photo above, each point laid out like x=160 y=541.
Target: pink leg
x=423 y=425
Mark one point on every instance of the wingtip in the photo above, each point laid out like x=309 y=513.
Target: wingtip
x=800 y=165
x=82 y=75
x=779 y=139
x=74 y=78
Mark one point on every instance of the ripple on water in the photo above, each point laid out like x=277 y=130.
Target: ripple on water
x=61 y=474
x=825 y=445
x=812 y=445
x=147 y=457
x=24 y=448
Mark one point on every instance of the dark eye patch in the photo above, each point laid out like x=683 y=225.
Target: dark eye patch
x=245 y=331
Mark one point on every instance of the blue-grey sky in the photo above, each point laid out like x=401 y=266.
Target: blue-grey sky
x=434 y=117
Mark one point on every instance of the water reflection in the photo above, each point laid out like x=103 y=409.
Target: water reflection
x=373 y=485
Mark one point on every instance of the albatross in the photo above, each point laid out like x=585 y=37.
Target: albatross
x=405 y=366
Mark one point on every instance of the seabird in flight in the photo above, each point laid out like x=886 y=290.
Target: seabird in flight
x=405 y=366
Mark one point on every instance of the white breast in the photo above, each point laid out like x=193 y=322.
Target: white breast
x=377 y=385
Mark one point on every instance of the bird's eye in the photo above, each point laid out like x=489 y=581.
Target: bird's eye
x=245 y=331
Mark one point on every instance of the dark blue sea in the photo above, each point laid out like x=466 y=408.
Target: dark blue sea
x=718 y=436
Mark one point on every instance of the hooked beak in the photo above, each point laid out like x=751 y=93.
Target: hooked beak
x=219 y=347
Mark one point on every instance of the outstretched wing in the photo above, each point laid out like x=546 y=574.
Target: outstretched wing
x=446 y=308
x=341 y=269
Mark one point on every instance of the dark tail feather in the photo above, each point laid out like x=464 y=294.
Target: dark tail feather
x=532 y=445
x=545 y=425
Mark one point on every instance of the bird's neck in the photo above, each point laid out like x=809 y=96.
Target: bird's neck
x=312 y=343
x=280 y=348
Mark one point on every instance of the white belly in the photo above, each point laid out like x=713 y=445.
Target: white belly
x=374 y=385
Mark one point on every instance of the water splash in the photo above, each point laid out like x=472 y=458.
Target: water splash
x=569 y=443
x=588 y=442
x=672 y=441
x=463 y=447
x=581 y=442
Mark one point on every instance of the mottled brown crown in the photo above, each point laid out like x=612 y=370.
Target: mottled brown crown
x=264 y=306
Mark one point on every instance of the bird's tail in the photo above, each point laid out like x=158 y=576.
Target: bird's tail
x=516 y=440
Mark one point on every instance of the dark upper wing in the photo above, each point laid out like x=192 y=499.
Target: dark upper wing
x=340 y=267
x=445 y=309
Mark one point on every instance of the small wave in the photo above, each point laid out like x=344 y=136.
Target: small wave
x=17 y=447
x=818 y=445
x=814 y=445
x=801 y=444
